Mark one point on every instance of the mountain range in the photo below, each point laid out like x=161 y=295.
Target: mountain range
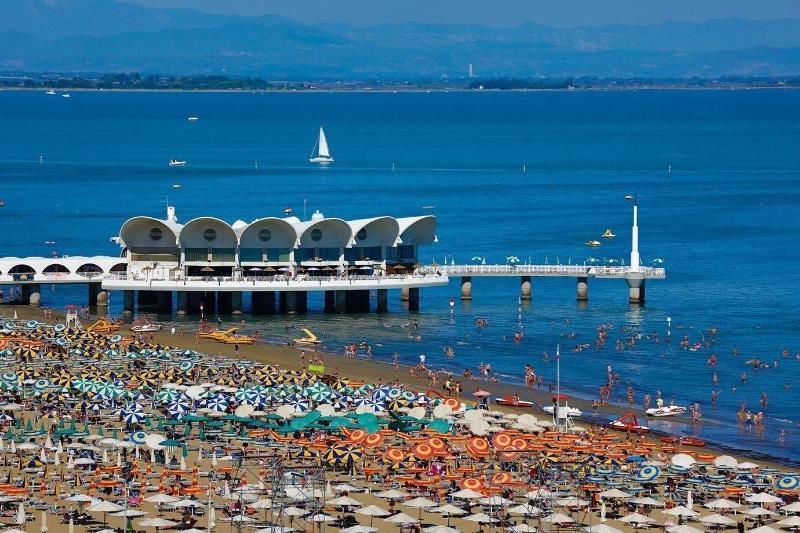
x=111 y=36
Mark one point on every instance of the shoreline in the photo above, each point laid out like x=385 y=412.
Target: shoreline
x=400 y=89
x=380 y=371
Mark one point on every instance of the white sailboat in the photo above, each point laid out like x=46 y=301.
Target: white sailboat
x=323 y=155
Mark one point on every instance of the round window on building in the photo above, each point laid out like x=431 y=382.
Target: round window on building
x=210 y=234
x=316 y=234
x=362 y=234
x=156 y=234
x=265 y=235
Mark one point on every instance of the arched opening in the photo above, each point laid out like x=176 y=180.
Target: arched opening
x=55 y=271
x=22 y=272
x=267 y=240
x=323 y=241
x=89 y=270
x=119 y=267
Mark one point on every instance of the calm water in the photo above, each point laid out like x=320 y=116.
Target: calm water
x=724 y=223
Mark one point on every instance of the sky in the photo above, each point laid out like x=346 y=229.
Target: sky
x=561 y=13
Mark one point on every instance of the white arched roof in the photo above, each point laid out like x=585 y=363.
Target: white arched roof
x=417 y=230
x=380 y=231
x=335 y=233
x=282 y=234
x=192 y=234
x=135 y=233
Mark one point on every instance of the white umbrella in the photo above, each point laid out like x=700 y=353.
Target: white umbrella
x=523 y=528
x=685 y=529
x=401 y=518
x=157 y=523
x=392 y=494
x=791 y=508
x=525 y=509
x=651 y=502
x=357 y=529
x=763 y=497
x=20 y=520
x=481 y=518
x=129 y=513
x=683 y=460
x=81 y=498
x=615 y=493
x=681 y=510
x=759 y=511
x=717 y=519
x=792 y=521
x=765 y=529
x=557 y=518
x=372 y=511
x=726 y=460
x=637 y=518
x=722 y=503
x=495 y=501
x=105 y=507
x=344 y=501
x=602 y=528
x=420 y=503
x=466 y=494
x=295 y=511
x=440 y=529
x=161 y=498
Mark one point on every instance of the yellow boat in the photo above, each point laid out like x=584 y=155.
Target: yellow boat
x=310 y=338
x=103 y=326
x=237 y=339
x=216 y=334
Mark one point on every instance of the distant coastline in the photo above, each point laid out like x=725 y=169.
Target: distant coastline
x=134 y=82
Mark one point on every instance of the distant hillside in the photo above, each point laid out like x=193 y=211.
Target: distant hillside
x=110 y=36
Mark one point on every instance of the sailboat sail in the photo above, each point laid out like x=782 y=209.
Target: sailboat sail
x=323 y=144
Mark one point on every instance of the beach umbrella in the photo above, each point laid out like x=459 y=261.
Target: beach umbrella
x=105 y=507
x=525 y=509
x=558 y=518
x=763 y=497
x=20 y=518
x=722 y=503
x=344 y=501
x=392 y=494
x=792 y=521
x=157 y=523
x=481 y=518
x=466 y=494
x=788 y=482
x=683 y=460
x=650 y=502
x=686 y=529
x=615 y=493
x=765 y=529
x=372 y=511
x=523 y=528
x=760 y=512
x=602 y=528
x=717 y=519
x=401 y=518
x=648 y=473
x=791 y=508
x=681 y=510
x=638 y=519
x=355 y=529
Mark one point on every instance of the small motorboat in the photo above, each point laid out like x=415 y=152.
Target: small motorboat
x=193 y=119
x=177 y=163
x=66 y=95
x=177 y=186
x=629 y=197
x=608 y=234
x=145 y=325
x=671 y=410
x=2 y=203
x=593 y=244
x=510 y=401
x=629 y=422
x=288 y=211
x=51 y=92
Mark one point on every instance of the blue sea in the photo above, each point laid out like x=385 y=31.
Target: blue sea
x=724 y=221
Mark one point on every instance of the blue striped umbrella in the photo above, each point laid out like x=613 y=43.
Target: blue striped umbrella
x=133 y=417
x=218 y=404
x=648 y=473
x=788 y=483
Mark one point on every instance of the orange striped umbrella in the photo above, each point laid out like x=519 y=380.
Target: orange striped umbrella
x=502 y=478
x=471 y=483
x=502 y=440
x=373 y=440
x=423 y=450
x=453 y=404
x=438 y=445
x=478 y=447
x=394 y=455
x=357 y=436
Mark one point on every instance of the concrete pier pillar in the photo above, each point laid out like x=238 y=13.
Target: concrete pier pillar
x=94 y=290
x=466 y=288
x=404 y=294
x=382 y=301
x=183 y=302
x=582 y=290
x=357 y=301
x=340 y=303
x=413 y=299
x=224 y=303
x=127 y=305
x=236 y=303
x=330 y=301
x=31 y=294
x=636 y=287
x=164 y=299
x=102 y=303
x=525 y=288
x=263 y=302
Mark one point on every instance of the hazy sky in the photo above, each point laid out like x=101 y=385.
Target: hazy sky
x=497 y=12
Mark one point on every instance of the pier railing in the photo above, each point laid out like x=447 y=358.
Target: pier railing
x=576 y=271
